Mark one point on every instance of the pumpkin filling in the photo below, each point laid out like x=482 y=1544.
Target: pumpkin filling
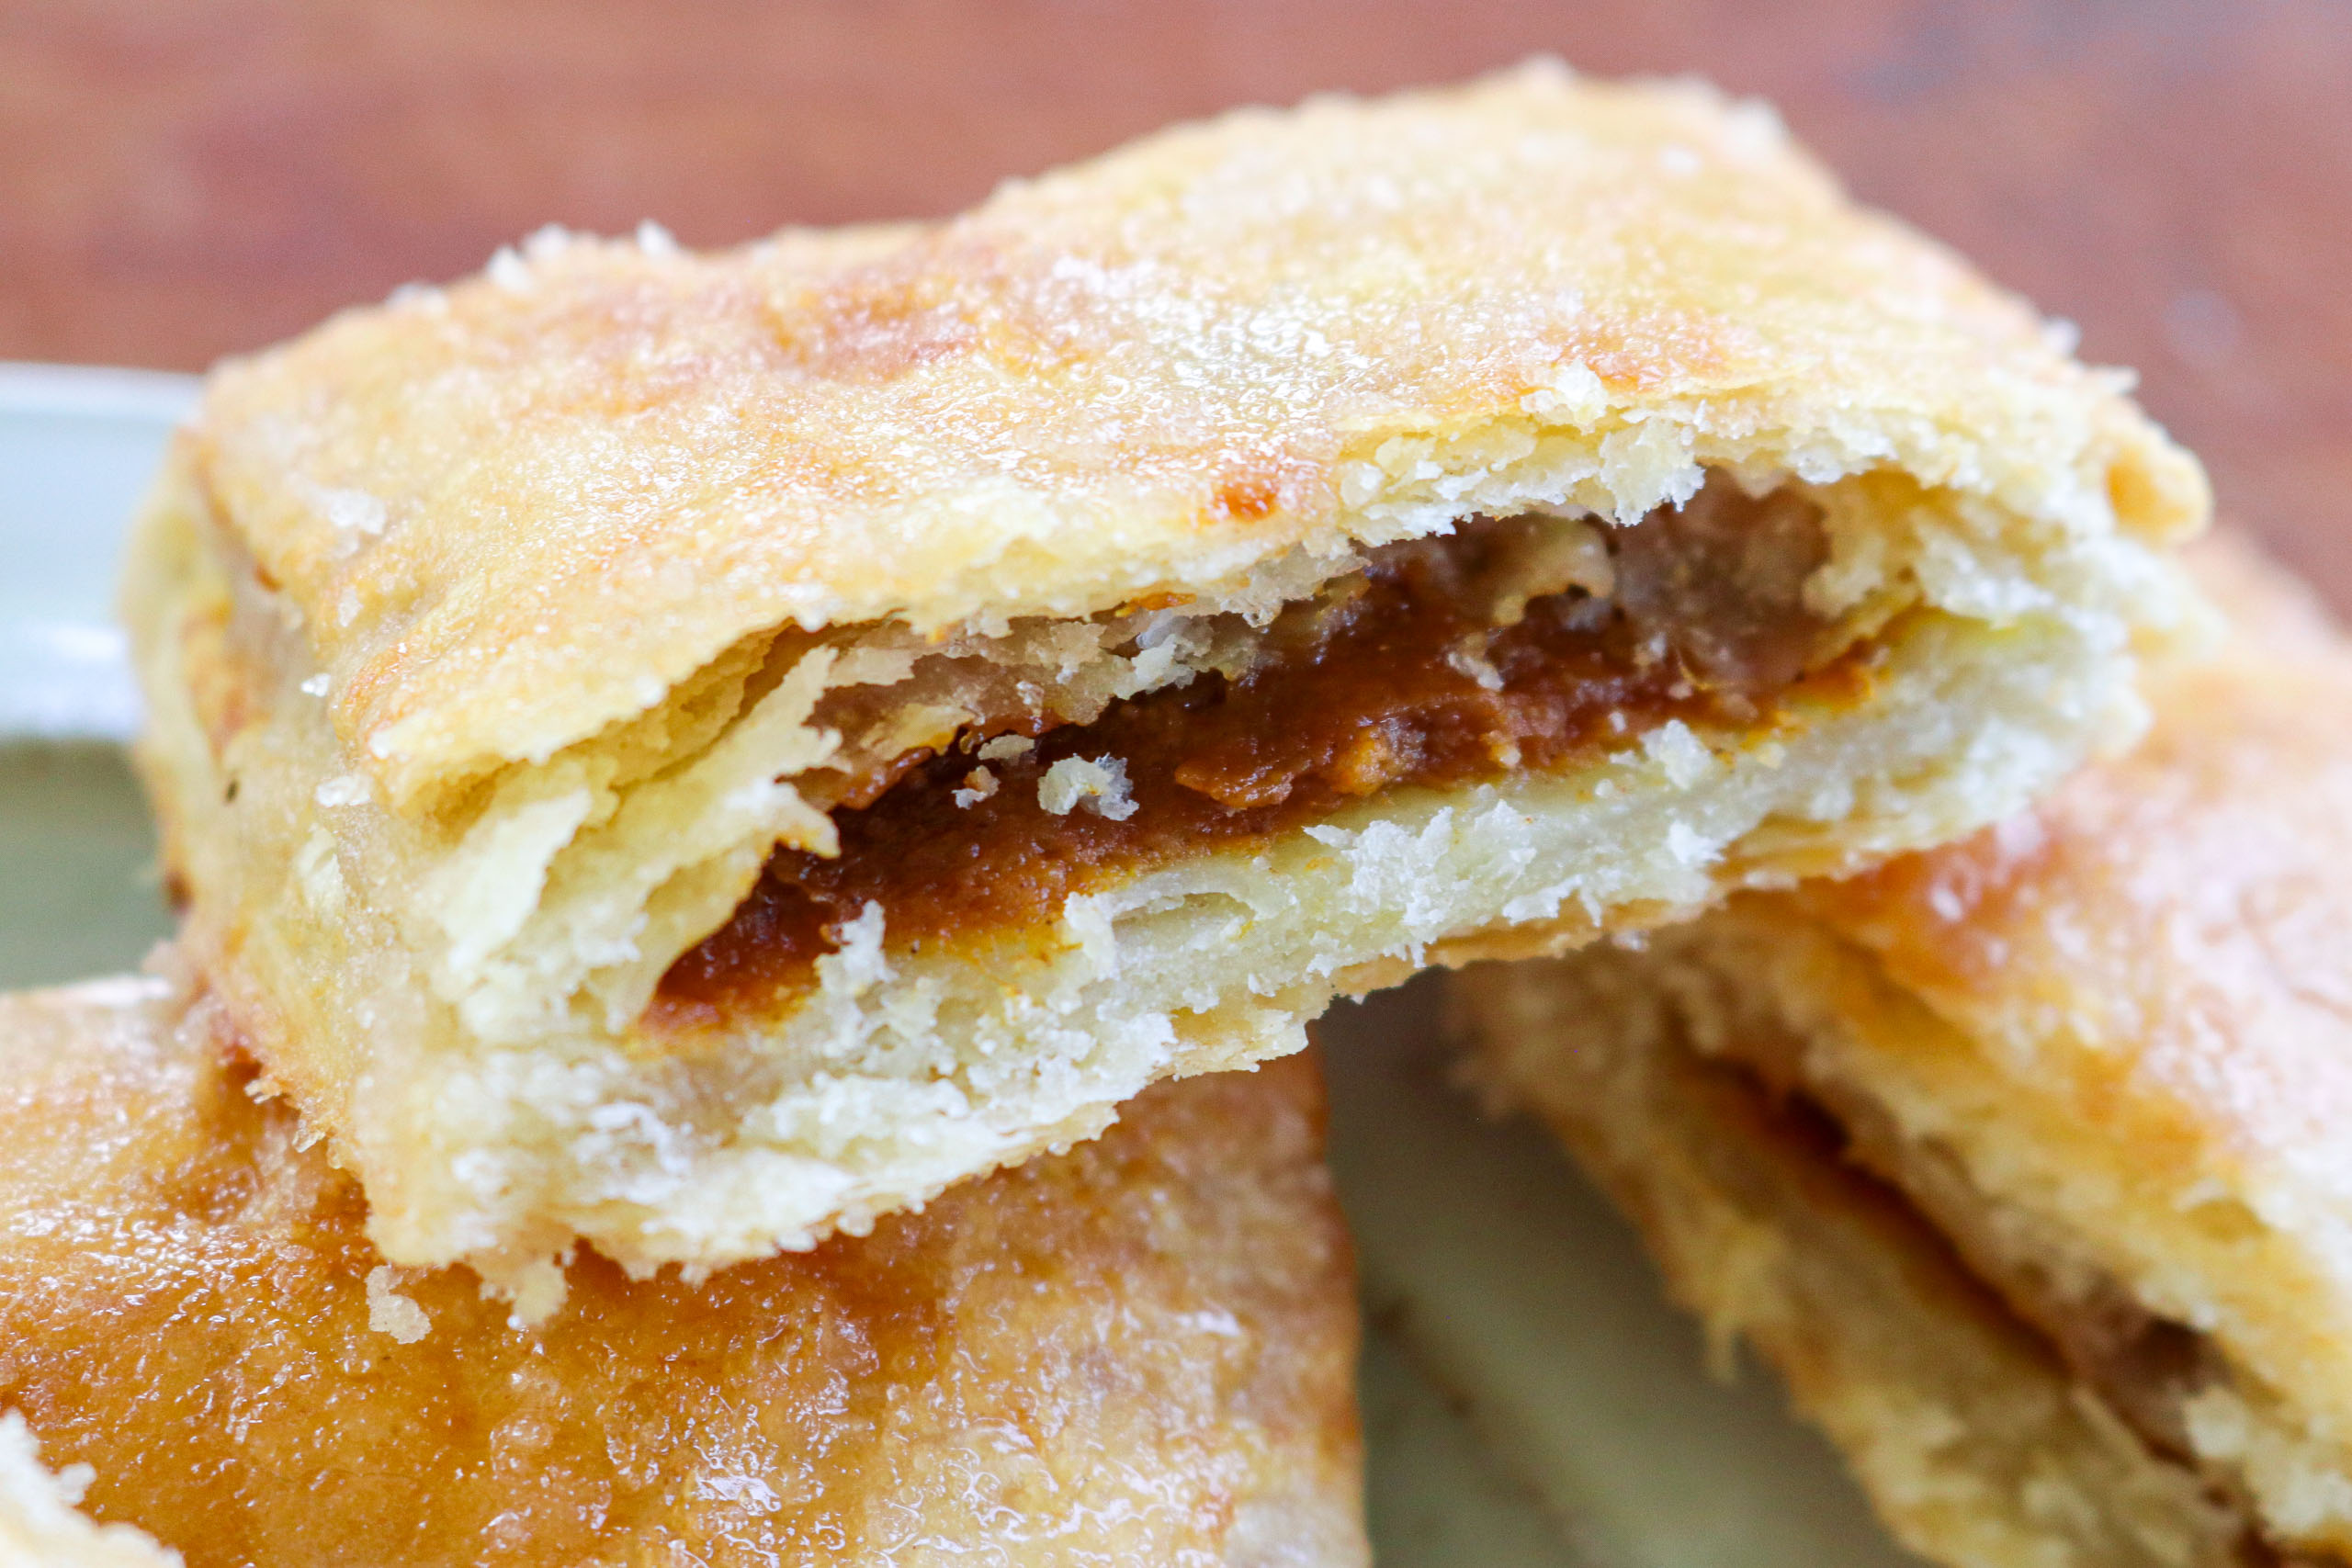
x=1514 y=643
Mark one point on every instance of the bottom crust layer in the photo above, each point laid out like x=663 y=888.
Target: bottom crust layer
x=1974 y=1443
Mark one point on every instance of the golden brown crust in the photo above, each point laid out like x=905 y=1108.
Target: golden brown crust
x=2107 y=1048
x=1142 y=1350
x=2152 y=972
x=515 y=512
x=2182 y=915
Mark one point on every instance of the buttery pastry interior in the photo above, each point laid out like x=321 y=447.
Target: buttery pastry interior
x=697 y=752
x=2100 y=1050
x=1141 y=1350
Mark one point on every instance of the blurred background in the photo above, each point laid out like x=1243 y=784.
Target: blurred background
x=182 y=180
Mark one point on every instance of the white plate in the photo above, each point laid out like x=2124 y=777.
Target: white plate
x=1532 y=1401
x=76 y=445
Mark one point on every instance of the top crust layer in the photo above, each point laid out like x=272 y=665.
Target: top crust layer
x=515 y=512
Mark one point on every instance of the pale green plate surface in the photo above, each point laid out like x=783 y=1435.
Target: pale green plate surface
x=75 y=865
x=1531 y=1400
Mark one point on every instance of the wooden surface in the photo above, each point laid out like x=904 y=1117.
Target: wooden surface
x=182 y=179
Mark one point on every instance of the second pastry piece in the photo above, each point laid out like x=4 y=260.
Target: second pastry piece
x=1139 y=1351
x=695 y=751
x=2092 y=1301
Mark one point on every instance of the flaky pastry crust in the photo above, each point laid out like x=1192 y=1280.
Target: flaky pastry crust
x=515 y=512
x=1963 y=1426
x=2105 y=1047
x=1142 y=1350
x=502 y=643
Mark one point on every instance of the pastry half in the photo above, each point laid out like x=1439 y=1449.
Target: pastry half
x=1141 y=1350
x=2098 y=1057
x=693 y=751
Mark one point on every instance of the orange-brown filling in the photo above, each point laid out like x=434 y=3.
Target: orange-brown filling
x=1414 y=672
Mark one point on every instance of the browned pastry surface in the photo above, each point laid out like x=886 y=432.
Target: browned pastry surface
x=2103 y=1049
x=517 y=511
x=1141 y=1350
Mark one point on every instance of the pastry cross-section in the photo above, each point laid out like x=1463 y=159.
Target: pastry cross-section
x=696 y=751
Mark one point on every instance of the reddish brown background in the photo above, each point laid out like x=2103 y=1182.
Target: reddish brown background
x=179 y=178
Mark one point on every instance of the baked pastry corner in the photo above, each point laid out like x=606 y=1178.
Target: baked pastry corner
x=2096 y=1061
